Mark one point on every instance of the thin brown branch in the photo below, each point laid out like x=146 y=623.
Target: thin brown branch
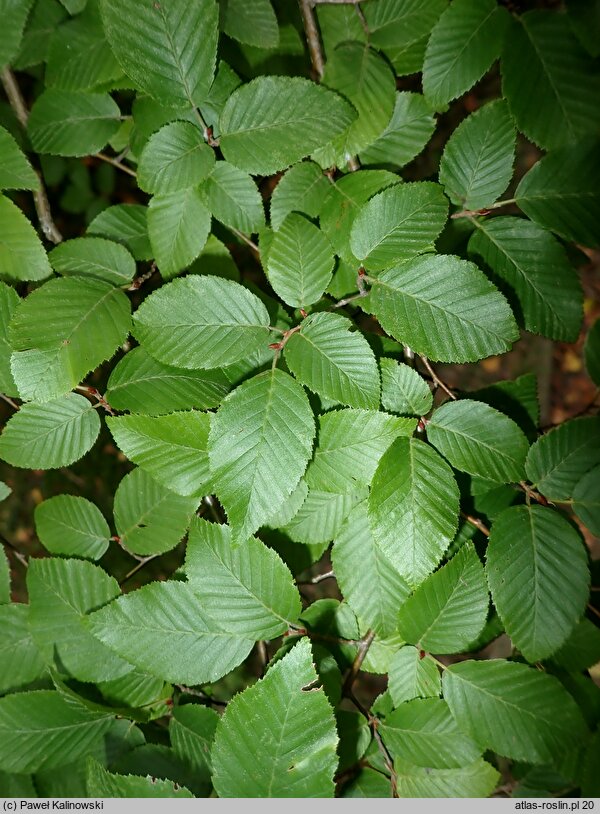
x=531 y=494
x=114 y=162
x=8 y=400
x=436 y=379
x=385 y=753
x=40 y=198
x=363 y=649
x=21 y=557
x=248 y=241
x=313 y=38
x=475 y=521
x=144 y=561
x=594 y=610
x=139 y=281
x=472 y=213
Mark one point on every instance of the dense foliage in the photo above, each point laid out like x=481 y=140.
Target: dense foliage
x=322 y=511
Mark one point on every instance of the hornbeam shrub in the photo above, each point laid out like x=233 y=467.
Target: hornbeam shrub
x=236 y=240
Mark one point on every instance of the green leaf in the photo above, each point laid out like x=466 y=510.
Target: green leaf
x=215 y=259
x=50 y=435
x=72 y=527
x=403 y=390
x=561 y=192
x=424 y=732
x=79 y=57
x=247 y=587
x=477 y=162
x=351 y=443
x=260 y=442
x=301 y=189
x=5 y=491
x=444 y=308
x=150 y=519
x=300 y=262
x=413 y=675
x=9 y=300
x=559 y=459
x=368 y=782
x=102 y=783
x=413 y=507
x=397 y=23
x=250 y=21
x=513 y=709
x=201 y=322
x=71 y=123
x=168 y=50
x=408 y=131
x=163 y=630
x=581 y=650
x=585 y=22
x=321 y=516
x=4 y=573
x=364 y=78
x=586 y=500
x=538 y=271
x=343 y=202
x=140 y=384
x=61 y=594
x=592 y=353
x=42 y=23
x=368 y=580
x=175 y=158
x=293 y=735
x=233 y=198
x=398 y=223
x=464 y=43
x=126 y=224
x=262 y=138
x=479 y=440
x=171 y=448
x=13 y=14
x=22 y=256
x=448 y=610
x=15 y=170
x=548 y=81
x=62 y=331
x=20 y=660
x=192 y=730
x=44 y=730
x=333 y=361
x=478 y=779
x=533 y=550
x=178 y=226
x=93 y=257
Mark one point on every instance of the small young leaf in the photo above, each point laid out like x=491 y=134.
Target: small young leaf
x=15 y=170
x=163 y=629
x=174 y=158
x=250 y=21
x=93 y=257
x=150 y=518
x=513 y=709
x=333 y=361
x=233 y=198
x=444 y=308
x=479 y=440
x=413 y=675
x=368 y=783
x=294 y=737
x=62 y=592
x=14 y=16
x=262 y=138
x=171 y=448
x=398 y=223
x=413 y=507
x=368 y=580
x=478 y=779
x=260 y=442
x=403 y=390
x=586 y=500
x=410 y=128
x=531 y=550
x=169 y=49
x=560 y=458
x=247 y=587
x=141 y=384
x=398 y=23
x=22 y=256
x=178 y=226
x=351 y=443
x=300 y=262
x=301 y=189
x=71 y=123
x=50 y=435
x=201 y=322
x=126 y=224
x=449 y=609
x=463 y=45
x=477 y=162
x=72 y=527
